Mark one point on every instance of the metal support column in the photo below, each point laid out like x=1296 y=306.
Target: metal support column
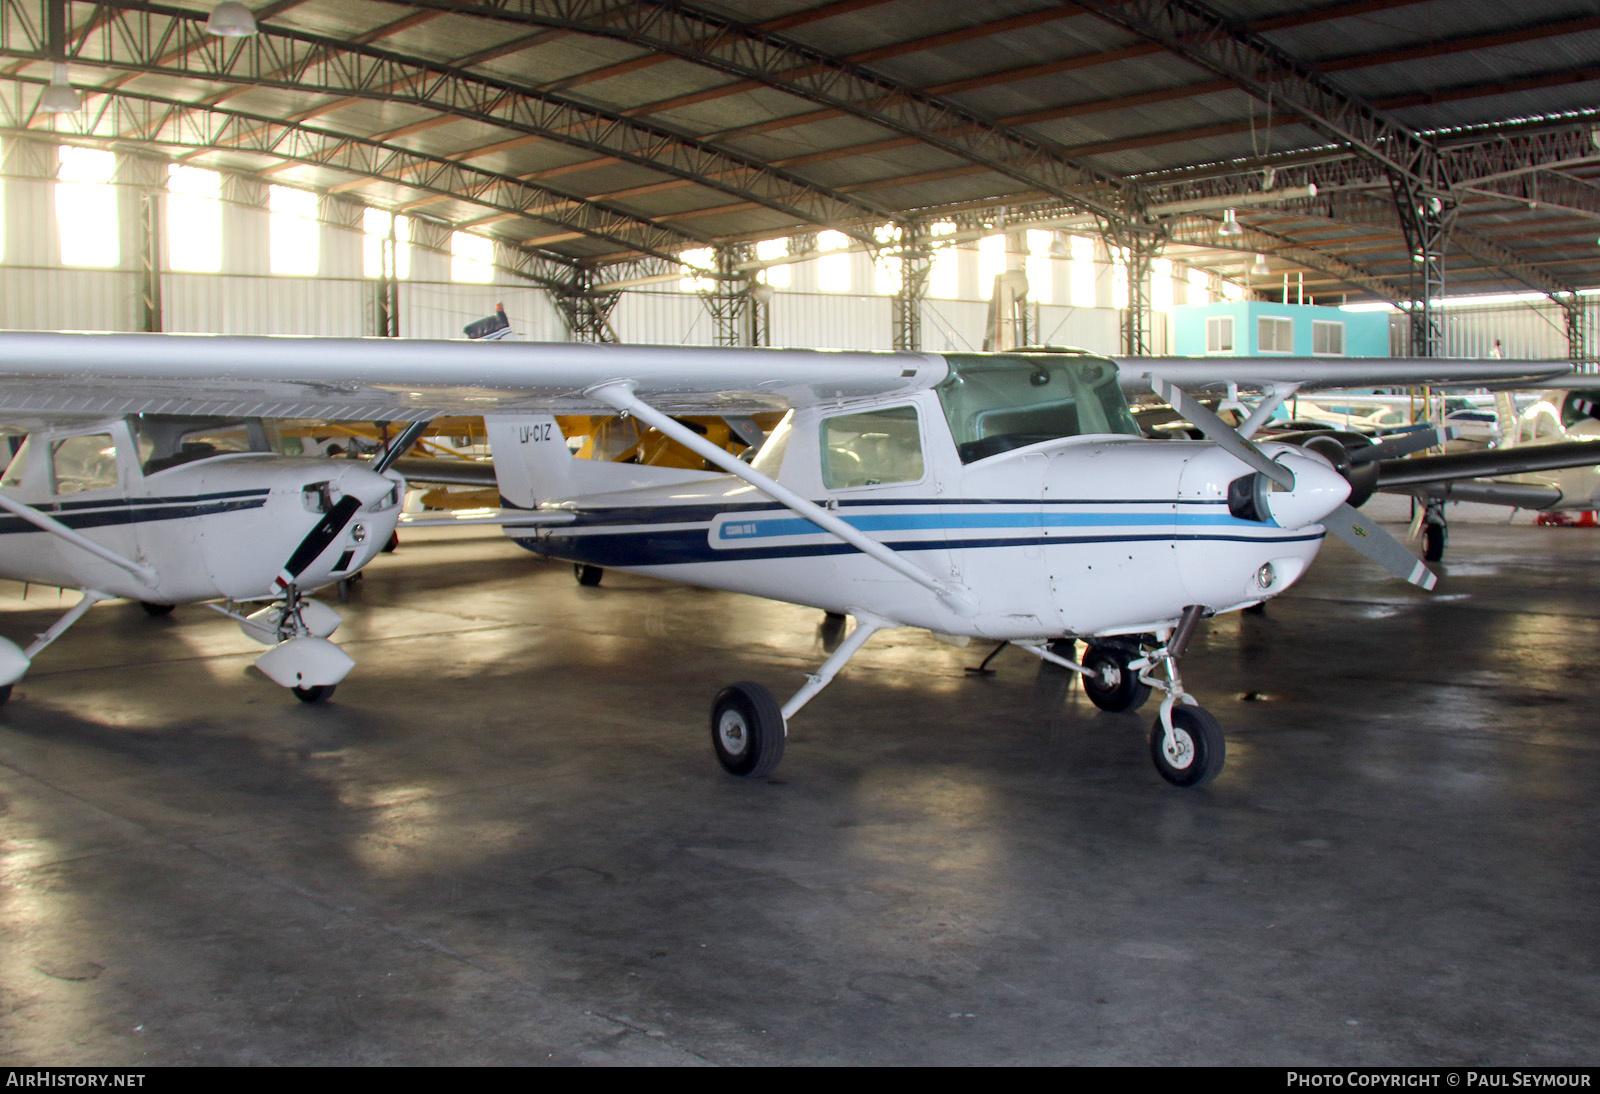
x=1426 y=219
x=386 y=290
x=916 y=262
x=739 y=317
x=1577 y=329
x=1140 y=244
x=587 y=312
x=150 y=260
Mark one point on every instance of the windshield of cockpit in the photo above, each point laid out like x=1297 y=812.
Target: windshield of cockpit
x=997 y=403
x=170 y=440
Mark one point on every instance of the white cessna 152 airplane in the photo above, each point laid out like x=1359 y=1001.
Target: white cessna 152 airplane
x=168 y=509
x=1003 y=496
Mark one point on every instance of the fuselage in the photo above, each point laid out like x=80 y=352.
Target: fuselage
x=1097 y=533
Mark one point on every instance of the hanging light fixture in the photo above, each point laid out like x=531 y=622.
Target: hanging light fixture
x=231 y=19
x=1230 y=224
x=60 y=97
x=1260 y=265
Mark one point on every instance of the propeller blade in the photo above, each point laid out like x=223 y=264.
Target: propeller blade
x=1347 y=523
x=1403 y=444
x=317 y=540
x=1221 y=433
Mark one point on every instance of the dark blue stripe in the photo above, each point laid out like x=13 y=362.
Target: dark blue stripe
x=127 y=515
x=691 y=546
x=141 y=503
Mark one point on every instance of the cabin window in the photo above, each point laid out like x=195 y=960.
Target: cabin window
x=1327 y=338
x=997 y=403
x=169 y=440
x=83 y=463
x=1219 y=334
x=1274 y=334
x=18 y=464
x=872 y=448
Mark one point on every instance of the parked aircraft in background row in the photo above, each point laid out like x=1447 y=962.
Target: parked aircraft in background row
x=175 y=509
x=1005 y=497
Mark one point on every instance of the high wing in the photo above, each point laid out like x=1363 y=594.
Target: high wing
x=1214 y=375
x=391 y=379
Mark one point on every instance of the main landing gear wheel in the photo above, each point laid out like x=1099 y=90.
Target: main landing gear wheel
x=1195 y=754
x=315 y=694
x=747 y=729
x=1433 y=539
x=5 y=693
x=1113 y=685
x=155 y=610
x=588 y=576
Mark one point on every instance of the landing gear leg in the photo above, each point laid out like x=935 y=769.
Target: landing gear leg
x=748 y=727
x=1435 y=533
x=1186 y=743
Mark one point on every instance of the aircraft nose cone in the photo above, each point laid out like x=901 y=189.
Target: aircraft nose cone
x=1318 y=491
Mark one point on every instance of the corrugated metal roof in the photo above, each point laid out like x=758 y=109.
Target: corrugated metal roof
x=660 y=126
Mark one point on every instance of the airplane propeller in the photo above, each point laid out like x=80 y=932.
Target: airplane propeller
x=323 y=533
x=1345 y=521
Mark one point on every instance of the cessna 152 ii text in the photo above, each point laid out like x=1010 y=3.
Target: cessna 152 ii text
x=1004 y=496
x=169 y=509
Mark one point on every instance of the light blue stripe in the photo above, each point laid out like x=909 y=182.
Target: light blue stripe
x=796 y=526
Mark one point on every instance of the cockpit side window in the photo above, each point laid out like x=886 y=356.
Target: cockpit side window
x=872 y=448
x=170 y=441
x=83 y=463
x=995 y=404
x=18 y=464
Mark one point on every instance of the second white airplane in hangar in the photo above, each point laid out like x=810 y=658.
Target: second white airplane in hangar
x=171 y=509
x=1003 y=496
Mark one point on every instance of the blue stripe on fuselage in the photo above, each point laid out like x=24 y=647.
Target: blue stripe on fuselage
x=674 y=535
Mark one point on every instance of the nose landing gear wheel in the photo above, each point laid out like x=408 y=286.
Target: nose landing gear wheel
x=588 y=576
x=315 y=694
x=1195 y=753
x=1113 y=685
x=747 y=729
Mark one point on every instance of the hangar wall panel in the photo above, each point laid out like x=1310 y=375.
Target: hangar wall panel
x=64 y=299
x=1534 y=329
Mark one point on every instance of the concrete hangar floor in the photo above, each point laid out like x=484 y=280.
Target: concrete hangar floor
x=506 y=840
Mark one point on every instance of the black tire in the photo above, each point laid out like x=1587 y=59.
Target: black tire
x=5 y=693
x=156 y=611
x=588 y=576
x=316 y=694
x=393 y=544
x=1114 y=686
x=1203 y=750
x=1433 y=541
x=747 y=729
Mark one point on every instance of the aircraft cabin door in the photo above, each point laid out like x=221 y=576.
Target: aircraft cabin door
x=876 y=475
x=88 y=477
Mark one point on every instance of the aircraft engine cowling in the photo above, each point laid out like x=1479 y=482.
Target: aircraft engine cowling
x=321 y=520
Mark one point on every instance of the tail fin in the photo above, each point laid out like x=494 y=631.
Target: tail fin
x=533 y=464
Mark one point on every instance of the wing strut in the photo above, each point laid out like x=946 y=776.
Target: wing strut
x=619 y=394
